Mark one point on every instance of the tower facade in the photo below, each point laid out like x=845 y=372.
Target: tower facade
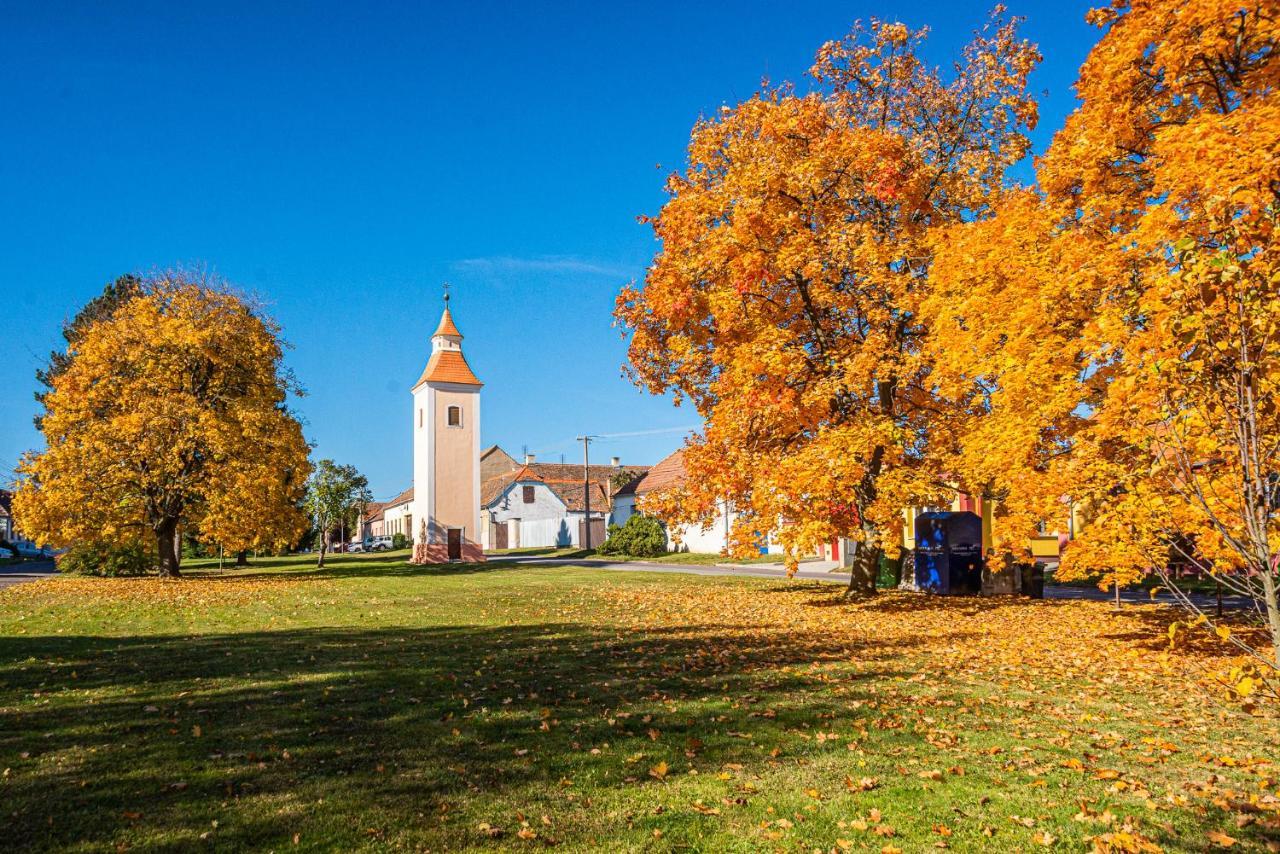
x=446 y=453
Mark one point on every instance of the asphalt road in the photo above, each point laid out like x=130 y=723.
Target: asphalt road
x=22 y=572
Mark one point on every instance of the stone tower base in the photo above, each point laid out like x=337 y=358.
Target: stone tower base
x=425 y=553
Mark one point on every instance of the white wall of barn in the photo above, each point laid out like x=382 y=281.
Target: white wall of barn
x=693 y=538
x=543 y=522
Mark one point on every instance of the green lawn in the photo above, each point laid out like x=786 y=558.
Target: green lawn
x=693 y=558
x=374 y=705
x=704 y=559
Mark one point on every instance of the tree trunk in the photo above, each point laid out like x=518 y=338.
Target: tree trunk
x=324 y=545
x=242 y=558
x=167 y=547
x=1273 y=611
x=864 y=571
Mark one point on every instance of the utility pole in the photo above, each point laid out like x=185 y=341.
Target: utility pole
x=586 y=488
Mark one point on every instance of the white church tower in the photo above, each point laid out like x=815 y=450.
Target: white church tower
x=446 y=453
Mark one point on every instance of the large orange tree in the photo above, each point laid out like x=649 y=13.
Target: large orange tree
x=784 y=303
x=169 y=411
x=1134 y=358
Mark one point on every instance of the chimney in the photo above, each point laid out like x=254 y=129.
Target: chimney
x=616 y=462
x=529 y=459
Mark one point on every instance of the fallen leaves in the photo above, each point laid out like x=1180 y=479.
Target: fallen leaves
x=188 y=592
x=1220 y=839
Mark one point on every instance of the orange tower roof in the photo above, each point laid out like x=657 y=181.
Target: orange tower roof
x=446 y=326
x=448 y=366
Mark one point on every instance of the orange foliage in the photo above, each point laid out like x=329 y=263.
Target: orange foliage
x=1118 y=331
x=784 y=303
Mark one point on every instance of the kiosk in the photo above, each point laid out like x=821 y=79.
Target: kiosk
x=948 y=553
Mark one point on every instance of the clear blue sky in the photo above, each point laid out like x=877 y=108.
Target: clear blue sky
x=341 y=160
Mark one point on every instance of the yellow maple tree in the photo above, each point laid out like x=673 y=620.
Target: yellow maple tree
x=1119 y=323
x=784 y=303
x=170 y=413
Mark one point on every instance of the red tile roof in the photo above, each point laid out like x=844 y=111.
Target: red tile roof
x=564 y=479
x=402 y=498
x=448 y=366
x=669 y=472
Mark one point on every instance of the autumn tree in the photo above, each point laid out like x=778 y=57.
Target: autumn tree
x=784 y=303
x=1134 y=358
x=170 y=411
x=100 y=307
x=336 y=494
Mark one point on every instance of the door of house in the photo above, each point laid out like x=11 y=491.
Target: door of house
x=455 y=544
x=598 y=533
x=499 y=535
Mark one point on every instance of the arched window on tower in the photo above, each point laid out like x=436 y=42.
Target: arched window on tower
x=454 y=416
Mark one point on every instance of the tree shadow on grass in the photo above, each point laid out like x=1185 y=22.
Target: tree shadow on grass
x=363 y=735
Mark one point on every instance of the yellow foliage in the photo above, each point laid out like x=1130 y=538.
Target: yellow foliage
x=171 y=411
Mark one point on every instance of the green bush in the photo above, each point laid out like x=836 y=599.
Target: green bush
x=107 y=559
x=400 y=541
x=641 y=536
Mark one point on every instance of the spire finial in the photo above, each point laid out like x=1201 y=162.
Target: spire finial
x=446 y=294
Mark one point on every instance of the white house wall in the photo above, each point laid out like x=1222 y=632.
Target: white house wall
x=536 y=533
x=693 y=538
x=541 y=523
x=510 y=505
x=624 y=507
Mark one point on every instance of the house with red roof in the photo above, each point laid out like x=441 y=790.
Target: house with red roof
x=549 y=504
x=669 y=473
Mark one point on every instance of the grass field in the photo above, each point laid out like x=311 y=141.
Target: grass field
x=375 y=705
x=692 y=558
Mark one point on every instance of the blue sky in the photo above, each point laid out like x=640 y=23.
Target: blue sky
x=340 y=161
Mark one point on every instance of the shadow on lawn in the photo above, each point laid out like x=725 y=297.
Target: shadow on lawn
x=358 y=735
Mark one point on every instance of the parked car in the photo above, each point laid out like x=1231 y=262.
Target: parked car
x=29 y=550
x=356 y=546
x=379 y=544
x=5 y=553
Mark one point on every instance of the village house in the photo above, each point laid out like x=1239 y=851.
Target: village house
x=370 y=519
x=6 y=516
x=546 y=504
x=670 y=472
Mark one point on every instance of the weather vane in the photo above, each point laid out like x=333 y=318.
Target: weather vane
x=446 y=293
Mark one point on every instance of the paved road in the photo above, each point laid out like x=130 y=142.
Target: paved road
x=822 y=571
x=22 y=572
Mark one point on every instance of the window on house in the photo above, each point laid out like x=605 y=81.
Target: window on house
x=455 y=416
x=528 y=495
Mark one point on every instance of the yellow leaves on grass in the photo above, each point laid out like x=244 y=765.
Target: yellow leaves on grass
x=1220 y=839
x=864 y=784
x=194 y=592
